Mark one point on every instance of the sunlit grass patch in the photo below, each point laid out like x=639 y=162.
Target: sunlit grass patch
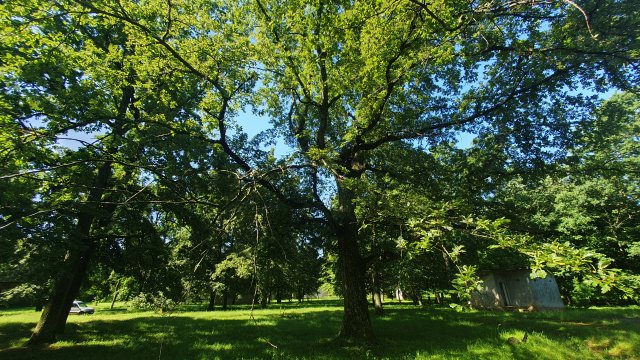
x=598 y=345
x=619 y=345
x=483 y=350
x=623 y=349
x=467 y=323
x=95 y=342
x=214 y=346
x=513 y=334
x=292 y=331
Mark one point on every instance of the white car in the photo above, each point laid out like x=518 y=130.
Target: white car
x=80 y=308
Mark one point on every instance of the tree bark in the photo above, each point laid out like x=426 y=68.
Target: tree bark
x=66 y=288
x=263 y=300
x=115 y=293
x=416 y=296
x=356 y=324
x=212 y=301
x=74 y=268
x=377 y=303
x=376 y=294
x=225 y=299
x=46 y=329
x=78 y=275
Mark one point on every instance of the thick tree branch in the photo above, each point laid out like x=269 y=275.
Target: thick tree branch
x=431 y=128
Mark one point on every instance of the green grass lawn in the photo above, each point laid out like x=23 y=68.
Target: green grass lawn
x=291 y=331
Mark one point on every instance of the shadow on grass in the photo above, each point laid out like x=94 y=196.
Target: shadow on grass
x=13 y=333
x=285 y=304
x=178 y=337
x=403 y=332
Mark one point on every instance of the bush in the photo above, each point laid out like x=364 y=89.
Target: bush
x=157 y=302
x=23 y=295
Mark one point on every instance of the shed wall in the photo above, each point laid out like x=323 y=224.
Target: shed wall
x=517 y=289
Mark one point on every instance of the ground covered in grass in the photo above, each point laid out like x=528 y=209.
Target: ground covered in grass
x=307 y=331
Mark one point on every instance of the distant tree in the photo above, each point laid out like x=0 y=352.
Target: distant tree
x=591 y=200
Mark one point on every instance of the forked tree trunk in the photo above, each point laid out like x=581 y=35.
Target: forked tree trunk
x=115 y=294
x=54 y=317
x=67 y=286
x=47 y=327
x=78 y=275
x=356 y=324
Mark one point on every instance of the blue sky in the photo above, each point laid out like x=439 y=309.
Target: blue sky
x=253 y=124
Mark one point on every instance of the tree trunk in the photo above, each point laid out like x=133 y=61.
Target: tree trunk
x=115 y=293
x=356 y=324
x=377 y=303
x=54 y=317
x=263 y=301
x=376 y=294
x=416 y=297
x=74 y=268
x=46 y=329
x=212 y=301
x=78 y=277
x=225 y=299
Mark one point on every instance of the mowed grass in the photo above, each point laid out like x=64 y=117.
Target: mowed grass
x=307 y=331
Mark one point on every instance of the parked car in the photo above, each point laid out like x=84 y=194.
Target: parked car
x=80 y=308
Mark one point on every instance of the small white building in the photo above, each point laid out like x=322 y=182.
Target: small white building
x=516 y=289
